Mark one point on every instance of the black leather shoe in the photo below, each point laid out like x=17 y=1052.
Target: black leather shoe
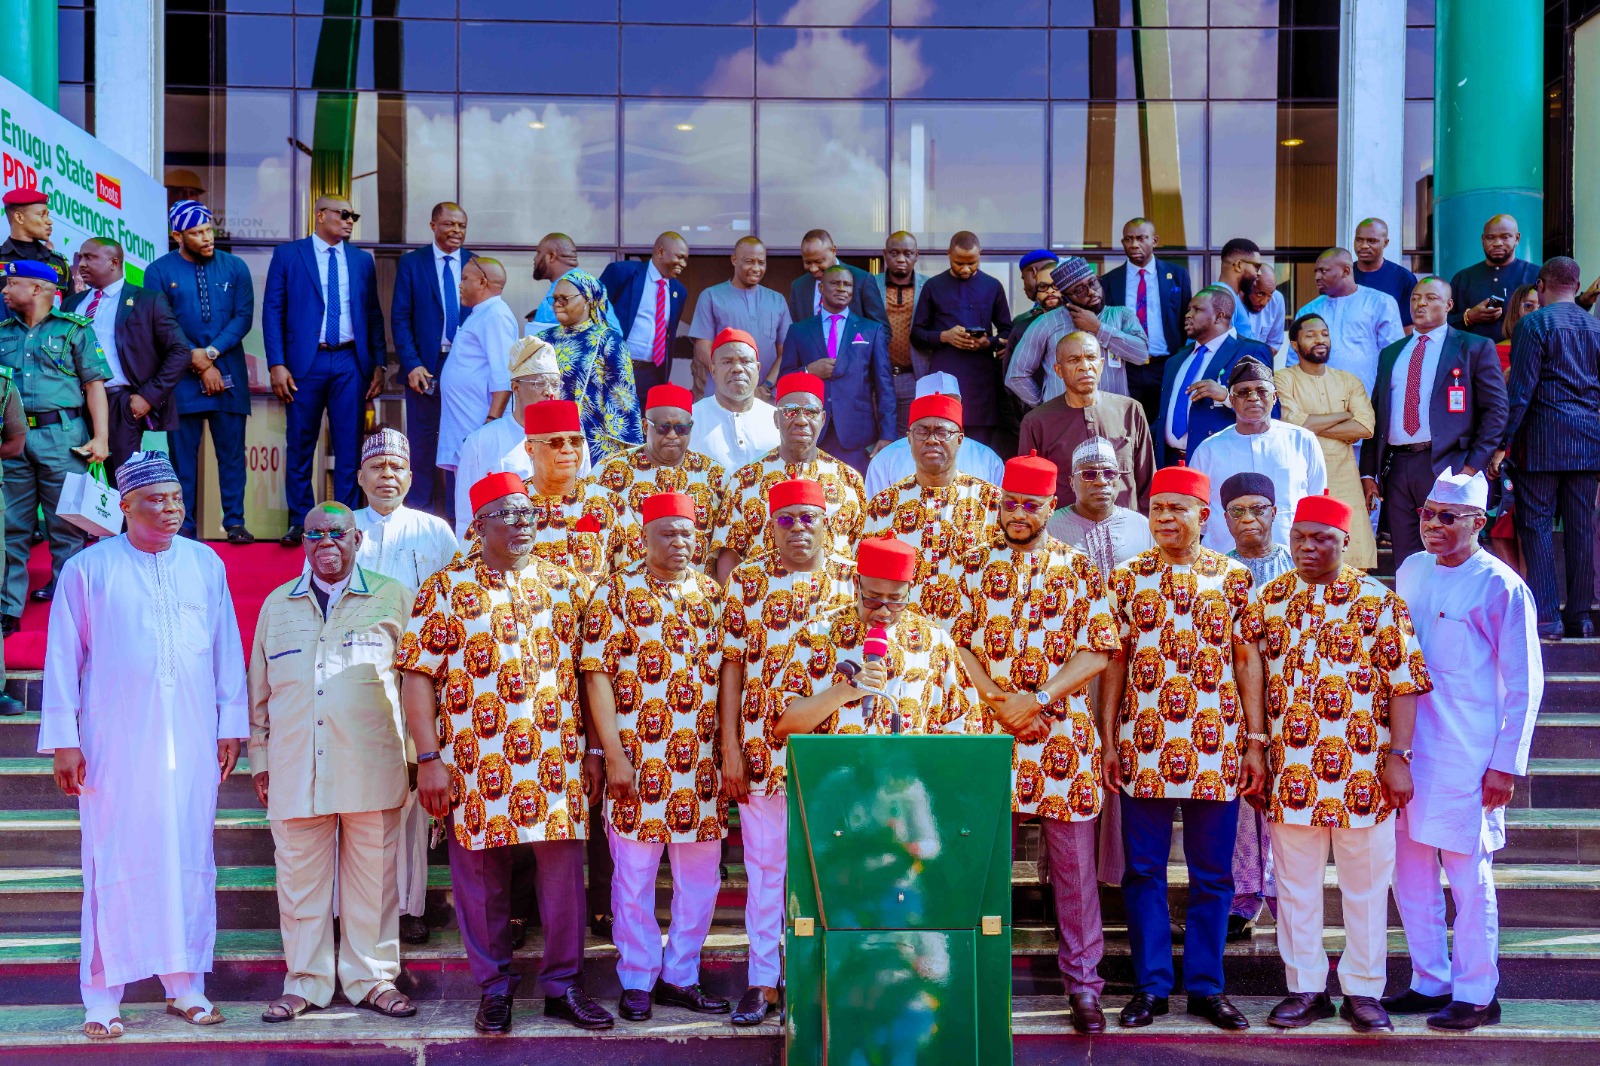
x=1087 y=1017
x=1300 y=1009
x=1219 y=1012
x=494 y=1015
x=9 y=625
x=1551 y=630
x=10 y=706
x=413 y=930
x=1365 y=1015
x=1459 y=1017
x=576 y=1007
x=634 y=1006
x=755 y=1005
x=519 y=934
x=690 y=997
x=43 y=595
x=1582 y=629
x=240 y=535
x=1413 y=1002
x=293 y=538
x=1141 y=1010
x=1240 y=928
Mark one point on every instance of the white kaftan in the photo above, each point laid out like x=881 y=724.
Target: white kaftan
x=406 y=545
x=144 y=671
x=499 y=447
x=479 y=365
x=1289 y=454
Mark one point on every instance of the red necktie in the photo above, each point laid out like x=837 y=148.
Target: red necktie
x=1140 y=306
x=94 y=302
x=1412 y=417
x=658 y=347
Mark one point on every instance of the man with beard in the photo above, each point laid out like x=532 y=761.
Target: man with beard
x=1332 y=404
x=1115 y=327
x=1482 y=290
x=741 y=303
x=576 y=526
x=1023 y=572
x=1241 y=267
x=900 y=285
x=963 y=320
x=554 y=257
x=732 y=425
x=1158 y=291
x=1361 y=321
x=770 y=598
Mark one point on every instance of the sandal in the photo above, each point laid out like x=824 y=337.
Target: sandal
x=391 y=1003
x=284 y=1009
x=195 y=1015
x=103 y=1030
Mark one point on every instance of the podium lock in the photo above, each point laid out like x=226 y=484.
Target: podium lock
x=808 y=926
x=991 y=925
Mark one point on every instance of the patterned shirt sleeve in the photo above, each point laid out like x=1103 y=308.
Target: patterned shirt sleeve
x=423 y=646
x=599 y=622
x=1099 y=630
x=1408 y=674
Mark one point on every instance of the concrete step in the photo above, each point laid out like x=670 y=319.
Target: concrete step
x=27 y=782
x=1567 y=735
x=1572 y=693
x=1560 y=784
x=1569 y=655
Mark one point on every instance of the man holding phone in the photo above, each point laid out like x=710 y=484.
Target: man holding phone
x=1482 y=289
x=962 y=320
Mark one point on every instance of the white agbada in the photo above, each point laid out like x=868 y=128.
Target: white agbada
x=144 y=671
x=409 y=546
x=479 y=366
x=732 y=439
x=1289 y=454
x=1360 y=326
x=499 y=447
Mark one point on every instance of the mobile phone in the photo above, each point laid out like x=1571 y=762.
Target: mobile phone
x=1496 y=301
x=975 y=332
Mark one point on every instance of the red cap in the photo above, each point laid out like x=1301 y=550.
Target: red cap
x=587 y=524
x=937 y=405
x=669 y=396
x=798 y=383
x=1325 y=510
x=730 y=336
x=667 y=505
x=24 y=197
x=551 y=416
x=1182 y=479
x=495 y=486
x=789 y=493
x=888 y=558
x=1030 y=475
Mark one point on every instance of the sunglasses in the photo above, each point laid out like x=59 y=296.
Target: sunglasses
x=672 y=429
x=872 y=603
x=557 y=444
x=805 y=520
x=326 y=534
x=938 y=436
x=1258 y=511
x=345 y=216
x=792 y=411
x=512 y=516
x=1098 y=474
x=1428 y=514
x=1031 y=506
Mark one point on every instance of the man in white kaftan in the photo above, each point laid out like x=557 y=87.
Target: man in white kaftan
x=474 y=385
x=896 y=463
x=1477 y=624
x=144 y=702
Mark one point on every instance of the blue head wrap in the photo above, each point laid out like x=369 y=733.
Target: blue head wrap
x=187 y=214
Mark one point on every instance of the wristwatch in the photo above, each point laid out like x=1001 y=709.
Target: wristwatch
x=427 y=756
x=1402 y=753
x=212 y=353
x=1259 y=738
x=1044 y=698
x=596 y=751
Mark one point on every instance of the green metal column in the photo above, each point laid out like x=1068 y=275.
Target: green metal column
x=1488 y=123
x=29 y=54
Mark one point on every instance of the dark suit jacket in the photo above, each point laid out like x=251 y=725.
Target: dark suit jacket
x=293 y=308
x=1465 y=439
x=416 y=313
x=859 y=398
x=1553 y=392
x=151 y=347
x=624 y=284
x=1174 y=296
x=1205 y=418
x=867 y=301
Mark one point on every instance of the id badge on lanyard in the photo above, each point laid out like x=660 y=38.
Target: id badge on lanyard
x=1456 y=394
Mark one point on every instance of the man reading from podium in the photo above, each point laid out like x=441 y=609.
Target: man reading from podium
x=1190 y=730
x=889 y=669
x=1036 y=626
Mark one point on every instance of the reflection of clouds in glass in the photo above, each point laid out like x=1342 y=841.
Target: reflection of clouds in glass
x=520 y=182
x=826 y=12
x=978 y=167
x=696 y=180
x=823 y=164
x=820 y=62
x=429 y=148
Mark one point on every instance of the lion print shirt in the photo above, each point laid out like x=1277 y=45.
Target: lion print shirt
x=927 y=681
x=943 y=524
x=500 y=649
x=661 y=644
x=1024 y=614
x=744 y=504
x=766 y=604
x=1334 y=656
x=632 y=476
x=1181 y=728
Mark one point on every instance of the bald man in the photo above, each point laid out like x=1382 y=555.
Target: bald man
x=1482 y=290
x=1373 y=271
x=649 y=300
x=1361 y=322
x=554 y=257
x=475 y=383
x=743 y=303
x=900 y=286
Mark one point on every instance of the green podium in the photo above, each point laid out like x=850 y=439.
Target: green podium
x=898 y=941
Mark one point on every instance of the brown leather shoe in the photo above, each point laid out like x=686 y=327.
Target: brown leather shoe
x=1087 y=1017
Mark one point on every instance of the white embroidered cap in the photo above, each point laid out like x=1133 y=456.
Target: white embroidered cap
x=1460 y=489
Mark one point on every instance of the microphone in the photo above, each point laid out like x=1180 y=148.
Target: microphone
x=873 y=649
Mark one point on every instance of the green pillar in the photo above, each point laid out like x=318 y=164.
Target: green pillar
x=28 y=48
x=1488 y=126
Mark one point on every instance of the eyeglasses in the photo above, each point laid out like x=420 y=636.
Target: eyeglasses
x=345 y=216
x=792 y=411
x=1428 y=514
x=1263 y=393
x=872 y=603
x=672 y=429
x=1098 y=474
x=512 y=516
x=805 y=520
x=938 y=436
x=326 y=534
x=1258 y=511
x=561 y=301
x=1031 y=506
x=557 y=444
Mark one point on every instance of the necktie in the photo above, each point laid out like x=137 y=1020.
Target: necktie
x=1412 y=417
x=204 y=290
x=658 y=346
x=1140 y=307
x=833 y=336
x=452 y=302
x=94 y=302
x=330 y=326
x=1180 y=403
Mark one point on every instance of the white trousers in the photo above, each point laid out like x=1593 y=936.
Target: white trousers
x=764 y=828
x=696 y=877
x=101 y=1001
x=1472 y=974
x=411 y=864
x=1364 y=859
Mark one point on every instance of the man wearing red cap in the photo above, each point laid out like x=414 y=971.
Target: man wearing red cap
x=1036 y=626
x=732 y=425
x=500 y=742
x=28 y=215
x=800 y=421
x=919 y=683
x=938 y=510
x=1189 y=731
x=1344 y=671
x=770 y=597
x=652 y=650
x=576 y=523
x=664 y=463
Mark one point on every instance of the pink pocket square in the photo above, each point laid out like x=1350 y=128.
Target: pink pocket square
x=859 y=339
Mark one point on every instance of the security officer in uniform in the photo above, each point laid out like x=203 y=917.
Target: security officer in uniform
x=13 y=436
x=58 y=369
x=28 y=213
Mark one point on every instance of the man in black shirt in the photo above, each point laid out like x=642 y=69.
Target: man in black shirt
x=1498 y=276
x=28 y=212
x=962 y=319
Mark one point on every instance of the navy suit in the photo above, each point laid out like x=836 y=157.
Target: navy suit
x=1172 y=299
x=866 y=300
x=328 y=379
x=416 y=318
x=1205 y=417
x=624 y=284
x=859 y=398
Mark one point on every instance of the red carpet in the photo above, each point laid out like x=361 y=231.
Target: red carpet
x=254 y=570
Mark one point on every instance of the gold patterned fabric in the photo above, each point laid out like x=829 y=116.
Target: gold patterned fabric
x=579 y=531
x=744 y=507
x=500 y=648
x=661 y=643
x=765 y=606
x=1024 y=615
x=943 y=524
x=1181 y=728
x=1335 y=655
x=632 y=476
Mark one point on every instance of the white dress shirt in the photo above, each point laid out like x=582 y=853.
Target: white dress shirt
x=1203 y=351
x=478 y=367
x=1154 y=331
x=642 y=334
x=1397 y=387
x=105 y=330
x=347 y=329
x=406 y=545
x=896 y=463
x=439 y=255
x=733 y=438
x=1289 y=454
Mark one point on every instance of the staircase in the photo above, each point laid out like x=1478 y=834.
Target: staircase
x=1549 y=888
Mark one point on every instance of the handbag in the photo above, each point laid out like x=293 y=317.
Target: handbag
x=89 y=502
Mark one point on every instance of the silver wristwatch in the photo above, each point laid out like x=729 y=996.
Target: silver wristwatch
x=1044 y=698
x=1402 y=753
x=596 y=751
